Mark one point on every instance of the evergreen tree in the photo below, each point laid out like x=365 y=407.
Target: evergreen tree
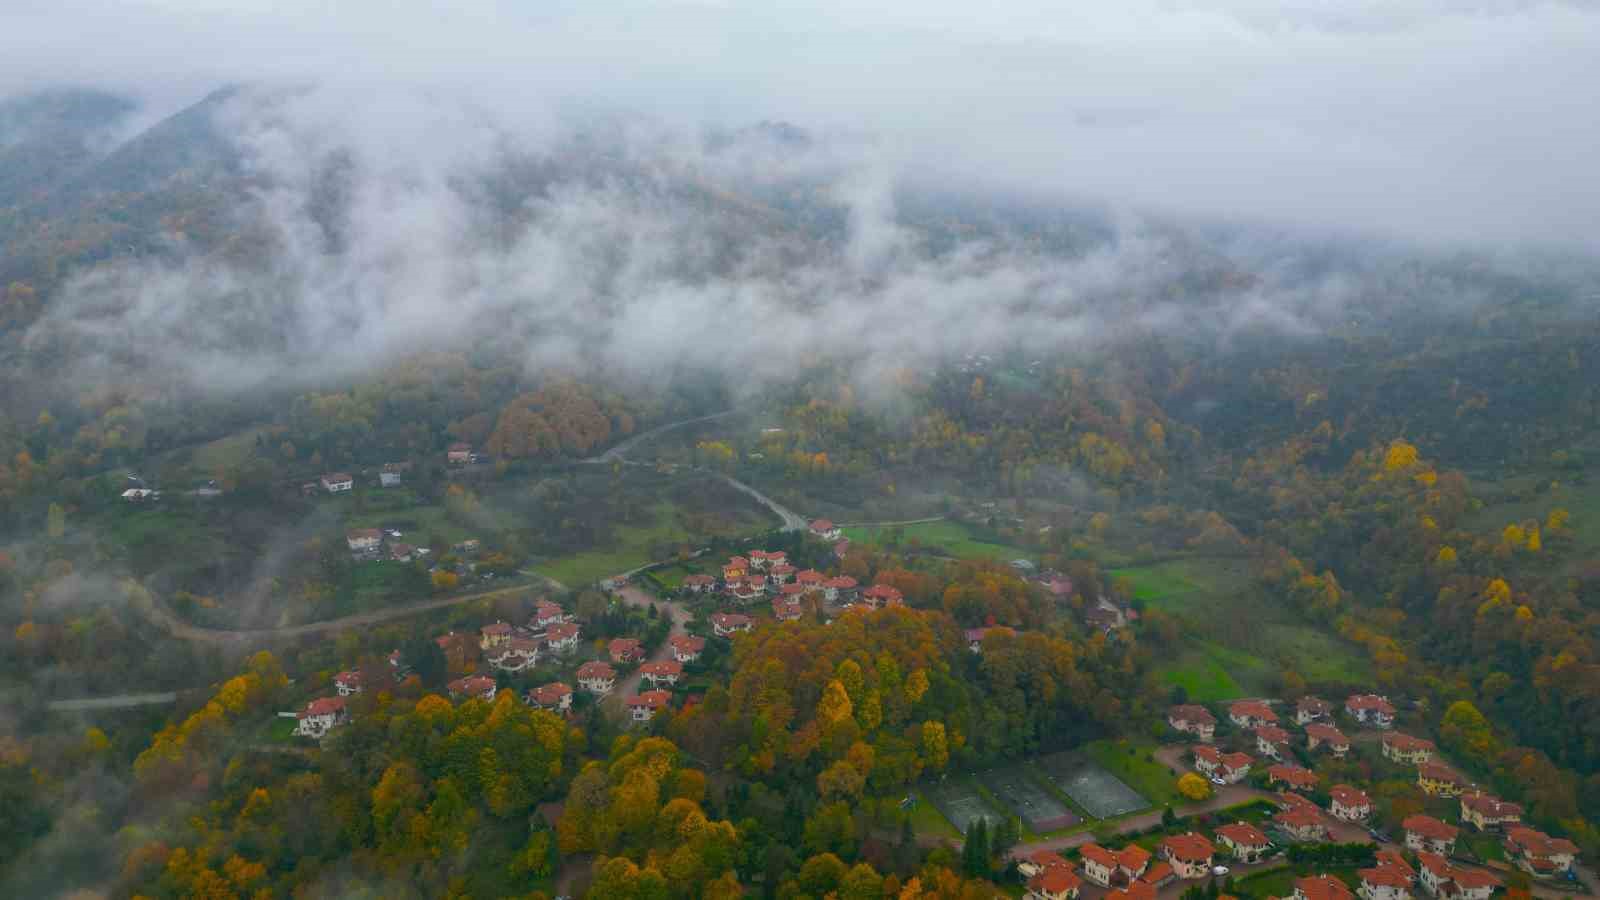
x=1168 y=818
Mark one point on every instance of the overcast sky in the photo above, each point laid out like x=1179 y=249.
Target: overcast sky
x=1423 y=118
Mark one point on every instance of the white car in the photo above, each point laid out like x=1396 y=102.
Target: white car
x=1218 y=781
x=1219 y=871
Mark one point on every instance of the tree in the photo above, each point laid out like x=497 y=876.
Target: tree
x=975 y=849
x=1194 y=787
x=1168 y=818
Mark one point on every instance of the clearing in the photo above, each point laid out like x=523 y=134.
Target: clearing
x=943 y=538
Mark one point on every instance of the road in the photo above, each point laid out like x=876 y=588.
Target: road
x=680 y=617
x=792 y=521
x=119 y=701
x=620 y=451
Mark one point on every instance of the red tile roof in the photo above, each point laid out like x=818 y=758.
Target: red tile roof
x=1405 y=743
x=1048 y=859
x=663 y=668
x=1054 y=880
x=497 y=628
x=821 y=525
x=1385 y=876
x=651 y=699
x=1236 y=761
x=323 y=706
x=1189 y=847
x=1348 y=796
x=550 y=694
x=1369 y=702
x=841 y=583
x=1322 y=887
x=687 y=643
x=1429 y=827
x=1536 y=843
x=1491 y=807
x=1294 y=775
x=561 y=631
x=1133 y=858
x=1272 y=734
x=1327 y=734
x=1139 y=890
x=595 y=669
x=1299 y=818
x=1255 y=709
x=1099 y=855
x=1243 y=834
x=1436 y=772
x=1192 y=714
x=1208 y=753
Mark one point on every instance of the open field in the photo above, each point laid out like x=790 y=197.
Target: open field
x=632 y=549
x=944 y=538
x=1202 y=675
x=1092 y=785
x=1035 y=806
x=1195 y=584
x=961 y=802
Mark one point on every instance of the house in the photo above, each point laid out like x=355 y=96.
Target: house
x=686 y=648
x=555 y=696
x=643 y=707
x=321 y=716
x=839 y=590
x=563 y=637
x=791 y=593
x=347 y=683
x=337 y=482
x=468 y=547
x=698 y=584
x=809 y=579
x=1348 y=804
x=745 y=589
x=1041 y=861
x=667 y=671
x=1320 y=735
x=1393 y=859
x=1192 y=719
x=822 y=528
x=1538 y=853
x=481 y=687
x=1053 y=884
x=882 y=595
x=736 y=567
x=1099 y=864
x=1250 y=713
x=725 y=624
x=495 y=635
x=458 y=454
x=1139 y=890
x=1440 y=781
x=1310 y=709
x=1303 y=823
x=1403 y=748
x=364 y=541
x=1132 y=861
x=1484 y=812
x=1234 y=768
x=1272 y=741
x=1207 y=761
x=1287 y=800
x=546 y=614
x=1320 y=887
x=1189 y=854
x=597 y=677
x=625 y=650
x=1441 y=879
x=759 y=559
x=1370 y=709
x=1383 y=883
x=1159 y=875
x=785 y=610
x=1296 y=777
x=781 y=573
x=402 y=552
x=1103 y=617
x=390 y=475
x=139 y=495
x=1245 y=842
x=515 y=655
x=1425 y=834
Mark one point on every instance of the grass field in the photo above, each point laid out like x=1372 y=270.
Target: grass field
x=944 y=538
x=230 y=451
x=1136 y=769
x=926 y=819
x=1202 y=675
x=417 y=523
x=1187 y=584
x=632 y=550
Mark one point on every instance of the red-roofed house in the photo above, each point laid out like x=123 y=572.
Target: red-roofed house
x=809 y=579
x=1348 y=804
x=1250 y=713
x=1235 y=767
x=782 y=573
x=748 y=588
x=458 y=454
x=321 y=716
x=698 y=583
x=1484 y=812
x=1139 y=890
x=882 y=595
x=1393 y=859
x=1310 y=709
x=1053 y=884
x=1245 y=842
x=1403 y=748
x=1296 y=777
x=644 y=707
x=785 y=611
x=1132 y=861
x=1370 y=709
x=481 y=687
x=554 y=696
x=667 y=671
x=1190 y=854
x=515 y=655
x=1384 y=883
x=1321 y=887
x=825 y=529
x=1159 y=875
x=364 y=541
x=1320 y=735
x=735 y=567
x=1272 y=741
x=1425 y=834
x=725 y=624
x=791 y=593
x=1441 y=879
x=625 y=650
x=337 y=482
x=686 y=648
x=1207 y=760
x=546 y=614
x=1440 y=781
x=839 y=590
x=563 y=637
x=760 y=559
x=495 y=634
x=1040 y=861
x=1539 y=853
x=1302 y=823
x=597 y=677
x=347 y=683
x=1192 y=719
x=1099 y=864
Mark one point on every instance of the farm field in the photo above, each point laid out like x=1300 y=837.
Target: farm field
x=946 y=538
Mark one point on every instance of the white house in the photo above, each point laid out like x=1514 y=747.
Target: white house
x=554 y=696
x=644 y=707
x=347 y=683
x=597 y=677
x=337 y=482
x=321 y=716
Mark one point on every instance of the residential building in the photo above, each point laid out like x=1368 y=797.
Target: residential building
x=494 y=635
x=786 y=610
x=546 y=614
x=1272 y=741
x=822 y=528
x=1288 y=800
x=882 y=595
x=364 y=541
x=698 y=584
x=1403 y=748
x=1425 y=834
x=643 y=707
x=1484 y=812
x=321 y=716
x=480 y=687
x=1348 y=804
x=725 y=624
x=1189 y=855
x=1250 y=713
x=1320 y=887
x=782 y=573
x=347 y=683
x=1139 y=890
x=759 y=559
x=1442 y=879
x=839 y=590
x=337 y=482
x=791 y=593
x=1320 y=735
x=458 y=454
x=1099 y=864
x=809 y=579
x=747 y=588
x=1538 y=853
x=625 y=651
x=1192 y=719
x=1440 y=781
x=1132 y=861
x=1383 y=883
x=402 y=552
x=1235 y=767
x=515 y=655
x=667 y=672
x=1041 y=861
x=597 y=677
x=1393 y=859
x=1297 y=778
x=1245 y=842
x=390 y=474
x=555 y=696
x=686 y=648
x=735 y=567
x=1159 y=875
x=1311 y=709
x=1053 y=884
x=1303 y=823
x=1370 y=709
x=562 y=637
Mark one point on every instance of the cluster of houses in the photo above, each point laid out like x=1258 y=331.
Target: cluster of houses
x=763 y=574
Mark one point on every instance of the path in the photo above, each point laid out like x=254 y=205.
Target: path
x=679 y=616
x=620 y=450
x=119 y=701
x=792 y=521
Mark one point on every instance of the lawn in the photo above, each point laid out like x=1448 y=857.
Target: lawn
x=417 y=523
x=1185 y=584
x=944 y=538
x=1201 y=675
x=232 y=450
x=1137 y=769
x=632 y=550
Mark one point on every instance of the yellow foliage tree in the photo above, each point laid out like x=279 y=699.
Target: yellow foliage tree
x=1401 y=455
x=1193 y=786
x=1447 y=556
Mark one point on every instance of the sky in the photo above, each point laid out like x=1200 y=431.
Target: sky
x=1423 y=119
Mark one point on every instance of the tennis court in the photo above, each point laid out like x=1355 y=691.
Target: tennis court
x=961 y=803
x=1100 y=793
x=1034 y=805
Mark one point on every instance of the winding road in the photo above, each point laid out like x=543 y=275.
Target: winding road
x=620 y=450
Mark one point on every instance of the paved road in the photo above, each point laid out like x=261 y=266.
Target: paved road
x=680 y=616
x=118 y=701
